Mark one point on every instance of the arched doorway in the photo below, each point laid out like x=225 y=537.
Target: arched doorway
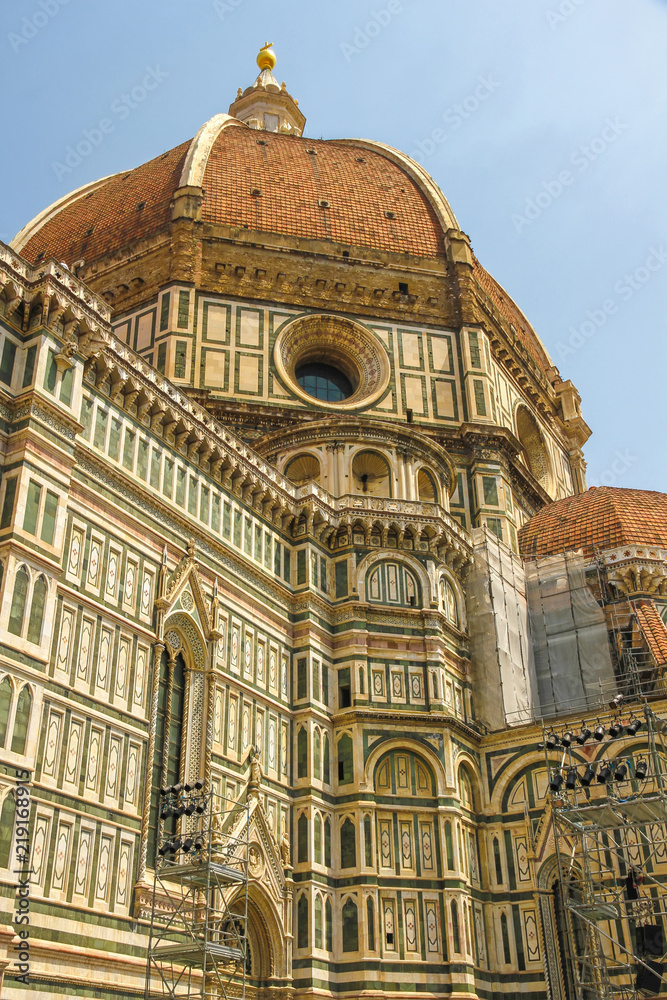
x=564 y=932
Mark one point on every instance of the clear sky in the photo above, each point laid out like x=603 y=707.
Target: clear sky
x=543 y=121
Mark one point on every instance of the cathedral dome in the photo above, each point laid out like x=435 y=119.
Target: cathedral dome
x=239 y=178
x=604 y=517
x=338 y=190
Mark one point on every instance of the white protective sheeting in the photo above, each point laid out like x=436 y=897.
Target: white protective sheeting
x=505 y=684
x=569 y=634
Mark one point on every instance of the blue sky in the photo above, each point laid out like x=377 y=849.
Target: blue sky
x=543 y=121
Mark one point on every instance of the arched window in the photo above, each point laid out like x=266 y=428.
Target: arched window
x=448 y=602
x=370 y=474
x=498 y=861
x=302 y=753
x=449 y=846
x=317 y=754
x=327 y=843
x=327 y=764
x=319 y=921
x=467 y=795
x=7 y=829
x=22 y=720
x=317 y=839
x=350 y=925
x=6 y=692
x=426 y=486
x=368 y=845
x=507 y=952
x=19 y=598
x=302 y=922
x=345 y=768
x=328 y=925
x=37 y=606
x=370 y=921
x=168 y=733
x=302 y=839
x=348 y=847
x=455 y=927
x=393 y=583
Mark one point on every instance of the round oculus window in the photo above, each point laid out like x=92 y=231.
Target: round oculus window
x=332 y=362
x=323 y=381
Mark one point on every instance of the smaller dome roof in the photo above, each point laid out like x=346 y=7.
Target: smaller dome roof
x=604 y=517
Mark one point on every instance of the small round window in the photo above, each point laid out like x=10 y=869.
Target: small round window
x=323 y=381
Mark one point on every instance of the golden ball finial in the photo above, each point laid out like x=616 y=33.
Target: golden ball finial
x=266 y=59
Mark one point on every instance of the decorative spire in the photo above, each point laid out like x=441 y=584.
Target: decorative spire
x=266 y=104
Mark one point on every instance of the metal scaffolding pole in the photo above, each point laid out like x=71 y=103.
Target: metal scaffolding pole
x=610 y=829
x=199 y=912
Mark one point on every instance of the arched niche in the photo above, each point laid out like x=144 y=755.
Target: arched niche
x=534 y=452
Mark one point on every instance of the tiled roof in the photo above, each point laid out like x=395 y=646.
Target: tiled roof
x=362 y=188
x=654 y=631
x=293 y=175
x=112 y=212
x=304 y=188
x=605 y=517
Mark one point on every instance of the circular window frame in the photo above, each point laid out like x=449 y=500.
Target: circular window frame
x=348 y=346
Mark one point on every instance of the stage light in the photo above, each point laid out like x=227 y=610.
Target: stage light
x=621 y=772
x=178 y=811
x=199 y=784
x=177 y=842
x=615 y=729
x=176 y=789
x=555 y=781
x=165 y=812
x=584 y=735
x=187 y=844
x=615 y=702
x=588 y=775
x=567 y=738
x=605 y=773
x=200 y=807
x=165 y=790
x=634 y=726
x=166 y=848
x=552 y=741
x=641 y=769
x=189 y=809
x=199 y=843
x=599 y=732
x=571 y=779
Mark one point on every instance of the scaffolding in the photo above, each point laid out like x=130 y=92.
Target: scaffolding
x=610 y=827
x=199 y=912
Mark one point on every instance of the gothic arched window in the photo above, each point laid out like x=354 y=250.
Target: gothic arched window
x=22 y=720
x=350 y=925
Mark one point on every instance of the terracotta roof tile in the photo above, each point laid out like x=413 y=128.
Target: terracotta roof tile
x=604 y=517
x=654 y=631
x=294 y=175
x=111 y=211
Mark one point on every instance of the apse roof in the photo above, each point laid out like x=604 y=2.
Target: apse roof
x=604 y=517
